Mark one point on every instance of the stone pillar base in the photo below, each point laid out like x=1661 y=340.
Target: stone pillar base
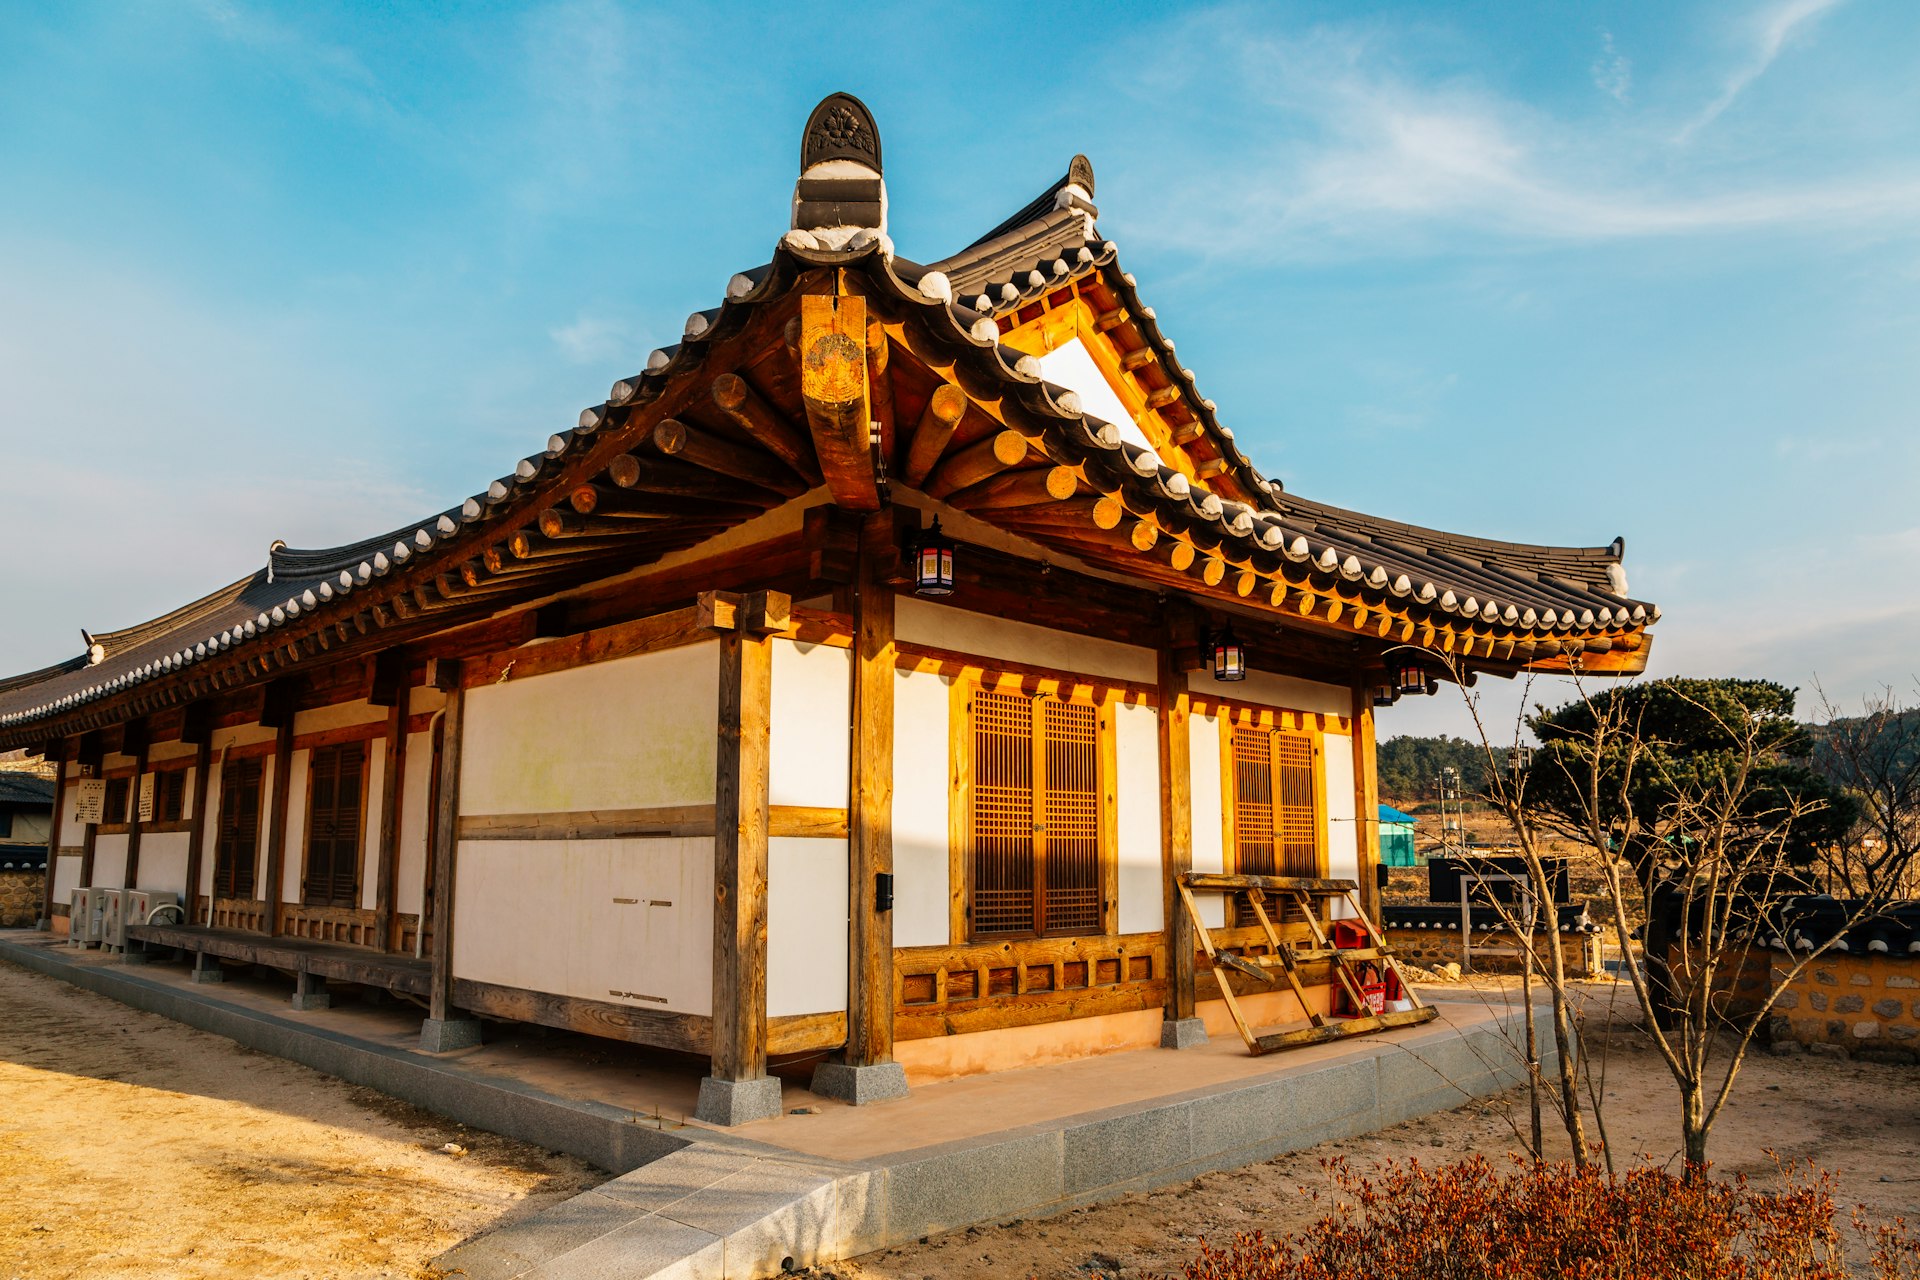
x=1183 y=1033
x=135 y=955
x=209 y=973
x=306 y=1000
x=731 y=1102
x=860 y=1085
x=444 y=1035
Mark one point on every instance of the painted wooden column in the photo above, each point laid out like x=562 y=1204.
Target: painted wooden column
x=198 y=730
x=89 y=758
x=137 y=744
x=392 y=796
x=58 y=750
x=868 y=1072
x=739 y=1089
x=1366 y=800
x=1181 y=1028
x=444 y=1029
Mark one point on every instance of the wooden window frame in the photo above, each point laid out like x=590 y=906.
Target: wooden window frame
x=960 y=802
x=360 y=826
x=1234 y=719
x=220 y=817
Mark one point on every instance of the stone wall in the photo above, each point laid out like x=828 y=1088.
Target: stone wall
x=20 y=898
x=1428 y=948
x=1864 y=1003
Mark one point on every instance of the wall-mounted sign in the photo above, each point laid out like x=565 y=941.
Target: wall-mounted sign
x=146 y=797
x=89 y=800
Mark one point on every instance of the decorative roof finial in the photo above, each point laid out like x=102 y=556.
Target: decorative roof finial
x=840 y=194
x=279 y=544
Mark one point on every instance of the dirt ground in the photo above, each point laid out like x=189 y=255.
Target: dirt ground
x=1860 y=1121
x=133 y=1146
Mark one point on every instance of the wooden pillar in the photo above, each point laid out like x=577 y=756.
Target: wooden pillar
x=739 y=1045
x=1176 y=830
x=198 y=729
x=138 y=745
x=90 y=757
x=446 y=840
x=392 y=795
x=870 y=800
x=1366 y=800
x=277 y=821
x=58 y=751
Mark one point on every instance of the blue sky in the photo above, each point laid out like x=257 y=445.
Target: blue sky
x=1542 y=272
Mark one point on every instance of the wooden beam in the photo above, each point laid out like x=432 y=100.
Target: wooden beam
x=981 y=460
x=1176 y=828
x=870 y=799
x=1037 y=487
x=1366 y=799
x=197 y=822
x=277 y=820
x=739 y=1049
x=702 y=448
x=652 y=472
x=834 y=388
x=393 y=784
x=880 y=386
x=734 y=396
x=446 y=839
x=945 y=408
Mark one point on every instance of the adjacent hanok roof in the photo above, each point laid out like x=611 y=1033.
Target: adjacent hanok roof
x=716 y=429
x=25 y=789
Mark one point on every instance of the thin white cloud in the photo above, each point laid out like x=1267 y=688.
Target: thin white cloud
x=1612 y=71
x=1771 y=33
x=592 y=339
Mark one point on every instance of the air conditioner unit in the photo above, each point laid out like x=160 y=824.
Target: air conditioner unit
x=137 y=907
x=86 y=917
x=111 y=902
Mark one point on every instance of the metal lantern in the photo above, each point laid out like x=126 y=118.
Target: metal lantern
x=933 y=563
x=1229 y=656
x=1410 y=677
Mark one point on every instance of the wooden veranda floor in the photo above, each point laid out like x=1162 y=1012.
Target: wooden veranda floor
x=402 y=973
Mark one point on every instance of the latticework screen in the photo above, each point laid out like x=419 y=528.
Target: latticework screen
x=1253 y=802
x=1296 y=819
x=1070 y=836
x=239 y=838
x=1002 y=818
x=333 y=826
x=1035 y=816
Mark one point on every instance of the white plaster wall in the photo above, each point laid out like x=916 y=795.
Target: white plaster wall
x=921 y=793
x=339 y=716
x=294 y=856
x=1071 y=365
x=808 y=751
x=806 y=926
x=240 y=736
x=924 y=622
x=66 y=878
x=109 y=862
x=71 y=832
x=1209 y=837
x=543 y=915
x=633 y=733
x=371 y=821
x=1137 y=815
x=1343 y=847
x=163 y=861
x=1263 y=688
x=409 y=891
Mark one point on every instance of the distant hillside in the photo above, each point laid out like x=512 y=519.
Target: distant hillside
x=1410 y=767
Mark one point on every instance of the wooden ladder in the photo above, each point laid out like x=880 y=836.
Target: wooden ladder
x=1307 y=895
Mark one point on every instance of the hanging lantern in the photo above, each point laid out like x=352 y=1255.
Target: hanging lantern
x=1410 y=677
x=1384 y=695
x=933 y=563
x=1229 y=656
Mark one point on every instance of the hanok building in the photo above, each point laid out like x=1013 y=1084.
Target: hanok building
x=874 y=672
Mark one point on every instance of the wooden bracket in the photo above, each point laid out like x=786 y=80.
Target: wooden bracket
x=835 y=390
x=196 y=724
x=276 y=704
x=444 y=674
x=753 y=613
x=389 y=677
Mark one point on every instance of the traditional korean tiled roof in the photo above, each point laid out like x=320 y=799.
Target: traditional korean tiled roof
x=1808 y=923
x=26 y=789
x=1484 y=918
x=668 y=460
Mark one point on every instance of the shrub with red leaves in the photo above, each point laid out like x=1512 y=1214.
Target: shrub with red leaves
x=1551 y=1221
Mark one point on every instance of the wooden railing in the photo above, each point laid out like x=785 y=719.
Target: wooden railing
x=1019 y=982
x=346 y=925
